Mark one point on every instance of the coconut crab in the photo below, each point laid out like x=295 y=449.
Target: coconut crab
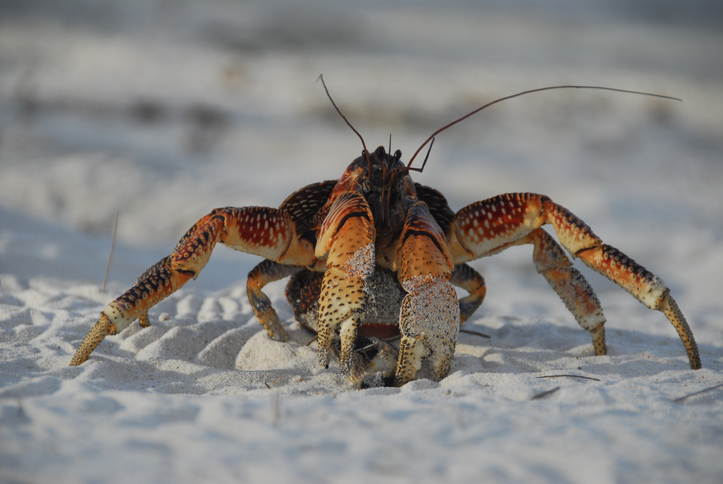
x=374 y=253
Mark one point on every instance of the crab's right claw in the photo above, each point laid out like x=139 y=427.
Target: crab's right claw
x=98 y=332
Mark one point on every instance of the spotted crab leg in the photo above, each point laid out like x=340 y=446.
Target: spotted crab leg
x=490 y=226
x=262 y=231
x=264 y=273
x=572 y=287
x=472 y=281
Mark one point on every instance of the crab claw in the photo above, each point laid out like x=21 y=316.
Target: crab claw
x=429 y=325
x=98 y=332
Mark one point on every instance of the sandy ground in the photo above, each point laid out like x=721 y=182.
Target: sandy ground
x=162 y=111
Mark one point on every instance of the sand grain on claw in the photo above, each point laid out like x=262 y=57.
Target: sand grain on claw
x=361 y=264
x=433 y=306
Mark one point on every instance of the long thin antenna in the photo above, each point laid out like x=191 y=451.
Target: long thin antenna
x=549 y=88
x=112 y=249
x=364 y=146
x=424 y=163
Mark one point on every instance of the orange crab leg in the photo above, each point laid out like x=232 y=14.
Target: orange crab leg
x=472 y=281
x=154 y=285
x=572 y=287
x=267 y=232
x=264 y=273
x=490 y=226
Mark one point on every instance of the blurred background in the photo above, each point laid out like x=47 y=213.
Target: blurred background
x=160 y=111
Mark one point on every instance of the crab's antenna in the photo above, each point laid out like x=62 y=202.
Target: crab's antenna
x=112 y=249
x=429 y=150
x=390 y=144
x=548 y=88
x=364 y=146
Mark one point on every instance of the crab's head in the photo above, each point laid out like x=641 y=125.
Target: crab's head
x=385 y=183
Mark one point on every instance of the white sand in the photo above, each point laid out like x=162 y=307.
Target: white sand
x=203 y=395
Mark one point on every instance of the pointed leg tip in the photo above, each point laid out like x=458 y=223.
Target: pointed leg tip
x=77 y=360
x=82 y=354
x=144 y=321
x=671 y=310
x=102 y=328
x=279 y=336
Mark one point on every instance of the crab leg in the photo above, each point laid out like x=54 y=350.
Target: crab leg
x=155 y=284
x=472 y=281
x=430 y=314
x=490 y=226
x=572 y=287
x=267 y=232
x=266 y=272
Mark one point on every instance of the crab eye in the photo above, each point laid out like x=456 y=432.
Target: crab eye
x=397 y=154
